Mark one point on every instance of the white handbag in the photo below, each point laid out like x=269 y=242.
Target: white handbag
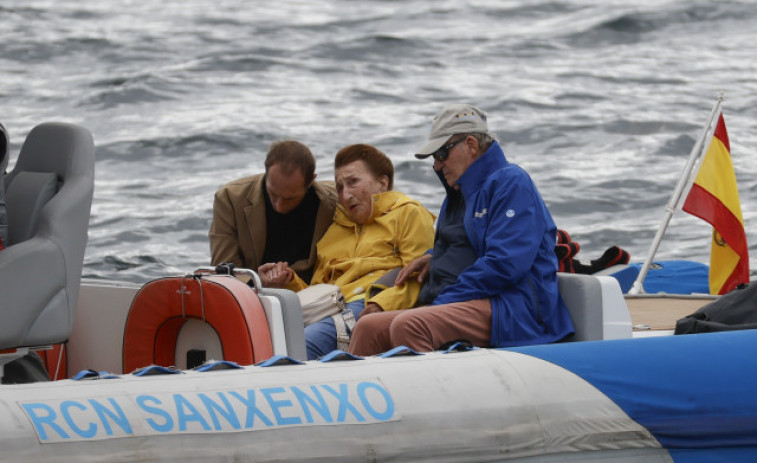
x=320 y=301
x=324 y=300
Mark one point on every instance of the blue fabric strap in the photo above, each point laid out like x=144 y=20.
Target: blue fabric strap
x=336 y=355
x=277 y=360
x=398 y=351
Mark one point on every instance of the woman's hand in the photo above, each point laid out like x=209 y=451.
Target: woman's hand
x=275 y=275
x=420 y=265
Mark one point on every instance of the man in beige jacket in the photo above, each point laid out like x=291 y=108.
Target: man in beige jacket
x=278 y=216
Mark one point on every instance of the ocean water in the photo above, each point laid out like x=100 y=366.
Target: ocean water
x=600 y=101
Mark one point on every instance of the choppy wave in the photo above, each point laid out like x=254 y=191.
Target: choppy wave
x=600 y=101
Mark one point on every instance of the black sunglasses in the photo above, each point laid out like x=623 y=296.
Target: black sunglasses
x=443 y=153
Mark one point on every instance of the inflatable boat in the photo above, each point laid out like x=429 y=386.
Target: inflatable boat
x=619 y=398
x=212 y=369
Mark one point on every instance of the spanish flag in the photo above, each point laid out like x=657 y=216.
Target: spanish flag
x=714 y=197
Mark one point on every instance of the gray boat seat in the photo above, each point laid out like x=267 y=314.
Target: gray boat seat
x=292 y=332
x=48 y=196
x=596 y=306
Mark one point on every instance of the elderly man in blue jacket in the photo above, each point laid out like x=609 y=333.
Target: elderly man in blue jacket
x=491 y=278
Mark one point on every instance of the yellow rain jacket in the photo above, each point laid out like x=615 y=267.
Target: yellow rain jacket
x=353 y=256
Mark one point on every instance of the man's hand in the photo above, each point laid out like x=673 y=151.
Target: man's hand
x=370 y=308
x=419 y=265
x=275 y=275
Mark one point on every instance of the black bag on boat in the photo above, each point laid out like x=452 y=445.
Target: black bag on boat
x=3 y=164
x=27 y=369
x=736 y=310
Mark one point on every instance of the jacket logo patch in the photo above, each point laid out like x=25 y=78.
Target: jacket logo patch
x=478 y=215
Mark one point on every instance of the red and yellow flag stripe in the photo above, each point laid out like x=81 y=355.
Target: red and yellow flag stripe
x=714 y=197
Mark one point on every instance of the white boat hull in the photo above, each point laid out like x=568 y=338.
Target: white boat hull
x=484 y=405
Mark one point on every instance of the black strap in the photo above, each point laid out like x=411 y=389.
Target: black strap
x=462 y=345
x=227 y=268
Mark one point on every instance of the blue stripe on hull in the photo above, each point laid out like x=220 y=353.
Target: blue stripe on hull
x=692 y=392
x=718 y=455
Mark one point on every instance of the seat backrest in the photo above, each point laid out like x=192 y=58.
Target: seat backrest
x=294 y=332
x=48 y=197
x=25 y=198
x=596 y=306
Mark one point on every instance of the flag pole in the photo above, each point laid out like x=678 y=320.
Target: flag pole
x=670 y=208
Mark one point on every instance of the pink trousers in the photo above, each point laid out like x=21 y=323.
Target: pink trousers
x=423 y=329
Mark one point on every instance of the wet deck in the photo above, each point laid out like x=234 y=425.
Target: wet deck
x=661 y=311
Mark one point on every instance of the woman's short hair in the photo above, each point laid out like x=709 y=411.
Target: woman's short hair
x=378 y=163
x=290 y=155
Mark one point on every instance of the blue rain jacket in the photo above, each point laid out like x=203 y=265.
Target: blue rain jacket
x=513 y=235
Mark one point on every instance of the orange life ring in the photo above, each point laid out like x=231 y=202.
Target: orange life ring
x=162 y=306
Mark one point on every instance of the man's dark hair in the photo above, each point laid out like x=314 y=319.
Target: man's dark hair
x=378 y=163
x=291 y=155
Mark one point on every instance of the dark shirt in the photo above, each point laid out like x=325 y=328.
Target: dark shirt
x=289 y=236
x=452 y=249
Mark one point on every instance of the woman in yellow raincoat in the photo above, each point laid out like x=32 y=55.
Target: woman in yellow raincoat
x=375 y=230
